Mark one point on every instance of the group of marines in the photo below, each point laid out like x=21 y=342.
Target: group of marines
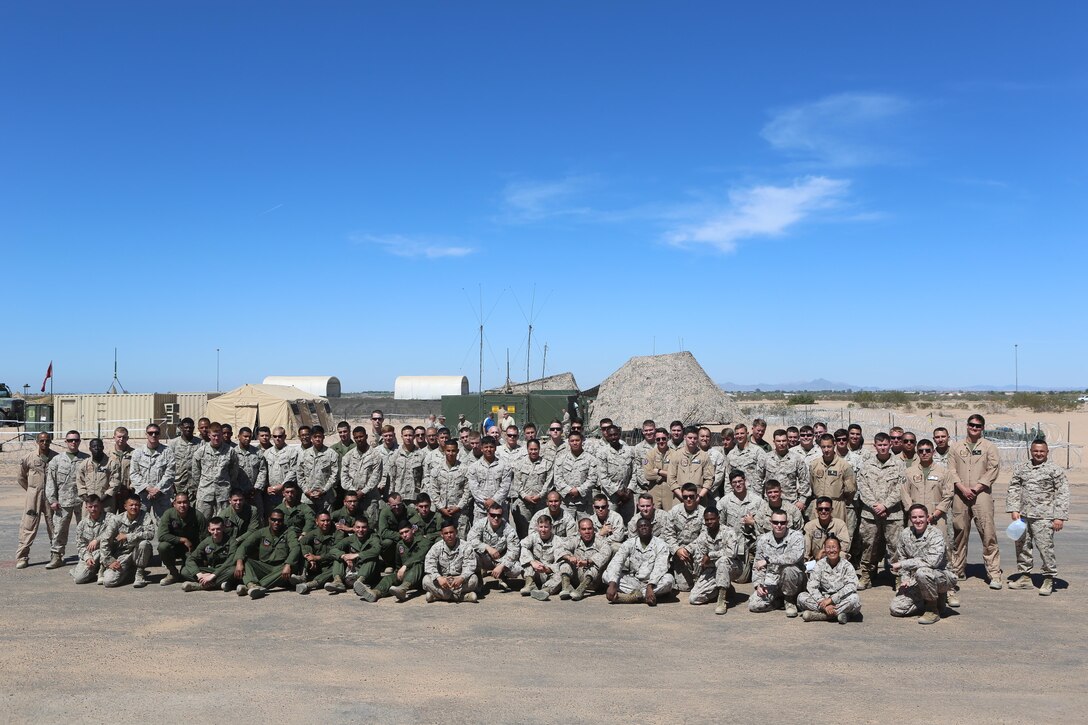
x=807 y=518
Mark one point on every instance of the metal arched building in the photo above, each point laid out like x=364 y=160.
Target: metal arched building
x=327 y=386
x=429 y=387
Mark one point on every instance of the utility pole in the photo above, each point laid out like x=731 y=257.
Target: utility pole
x=1016 y=367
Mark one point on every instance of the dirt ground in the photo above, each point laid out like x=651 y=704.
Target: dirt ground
x=88 y=654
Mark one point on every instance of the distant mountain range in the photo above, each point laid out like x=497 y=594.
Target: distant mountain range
x=822 y=384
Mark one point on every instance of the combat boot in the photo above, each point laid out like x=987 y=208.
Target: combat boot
x=932 y=614
x=399 y=591
x=502 y=585
x=954 y=598
x=541 y=595
x=723 y=604
x=529 y=586
x=364 y=592
x=1021 y=582
x=305 y=587
x=843 y=617
x=1048 y=586
x=567 y=589
x=471 y=598
x=336 y=586
x=56 y=562
x=141 y=579
x=256 y=591
x=865 y=581
x=190 y=587
x=22 y=564
x=579 y=592
x=810 y=616
x=632 y=598
x=171 y=578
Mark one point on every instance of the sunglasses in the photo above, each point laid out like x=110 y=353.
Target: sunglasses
x=600 y=507
x=822 y=508
x=974 y=425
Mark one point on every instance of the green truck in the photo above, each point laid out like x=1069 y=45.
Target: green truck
x=12 y=409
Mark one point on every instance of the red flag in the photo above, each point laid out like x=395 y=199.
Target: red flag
x=48 y=374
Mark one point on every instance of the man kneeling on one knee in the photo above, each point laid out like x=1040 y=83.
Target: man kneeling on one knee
x=923 y=568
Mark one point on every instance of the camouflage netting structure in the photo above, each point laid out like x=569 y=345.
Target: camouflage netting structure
x=562 y=381
x=664 y=388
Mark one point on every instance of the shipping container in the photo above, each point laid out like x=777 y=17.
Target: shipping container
x=96 y=416
x=39 y=418
x=193 y=405
x=537 y=407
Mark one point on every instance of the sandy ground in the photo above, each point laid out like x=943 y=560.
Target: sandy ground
x=87 y=654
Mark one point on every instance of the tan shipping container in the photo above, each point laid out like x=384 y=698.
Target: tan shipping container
x=98 y=415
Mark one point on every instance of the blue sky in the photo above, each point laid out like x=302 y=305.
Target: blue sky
x=880 y=195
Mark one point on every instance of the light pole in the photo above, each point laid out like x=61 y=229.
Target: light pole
x=217 y=369
x=1016 y=367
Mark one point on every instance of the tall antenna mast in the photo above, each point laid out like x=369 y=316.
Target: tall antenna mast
x=116 y=382
x=480 y=380
x=544 y=362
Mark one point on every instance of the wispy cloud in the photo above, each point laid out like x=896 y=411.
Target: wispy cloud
x=759 y=211
x=841 y=130
x=534 y=200
x=427 y=247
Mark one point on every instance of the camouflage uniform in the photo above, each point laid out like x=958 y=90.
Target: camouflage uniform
x=683 y=529
x=637 y=565
x=784 y=574
x=726 y=551
x=838 y=582
x=613 y=519
x=923 y=567
x=33 y=470
x=790 y=471
x=732 y=510
x=132 y=553
x=721 y=469
x=577 y=472
x=932 y=487
x=88 y=530
x=252 y=475
x=534 y=548
x=153 y=467
x=794 y=520
x=404 y=473
x=615 y=474
x=598 y=553
x=565 y=525
x=442 y=560
x=320 y=470
x=183 y=452
x=215 y=470
x=747 y=460
x=61 y=489
x=1040 y=494
x=880 y=483
x=549 y=451
x=975 y=465
x=120 y=468
x=504 y=540
x=362 y=473
x=94 y=478
x=530 y=479
x=282 y=463
x=448 y=488
x=489 y=481
x=661 y=528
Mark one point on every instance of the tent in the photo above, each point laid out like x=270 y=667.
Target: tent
x=663 y=388
x=562 y=381
x=271 y=405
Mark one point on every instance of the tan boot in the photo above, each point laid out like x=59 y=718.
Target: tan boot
x=632 y=598
x=579 y=592
x=810 y=616
x=953 y=598
x=864 y=581
x=723 y=604
x=56 y=562
x=932 y=615
x=1047 y=587
x=567 y=589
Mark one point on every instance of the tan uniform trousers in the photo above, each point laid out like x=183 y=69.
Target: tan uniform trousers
x=34 y=510
x=982 y=513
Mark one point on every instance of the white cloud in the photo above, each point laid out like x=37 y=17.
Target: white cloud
x=759 y=211
x=533 y=200
x=845 y=129
x=401 y=245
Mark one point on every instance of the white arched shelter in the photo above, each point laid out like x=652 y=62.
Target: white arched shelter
x=429 y=387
